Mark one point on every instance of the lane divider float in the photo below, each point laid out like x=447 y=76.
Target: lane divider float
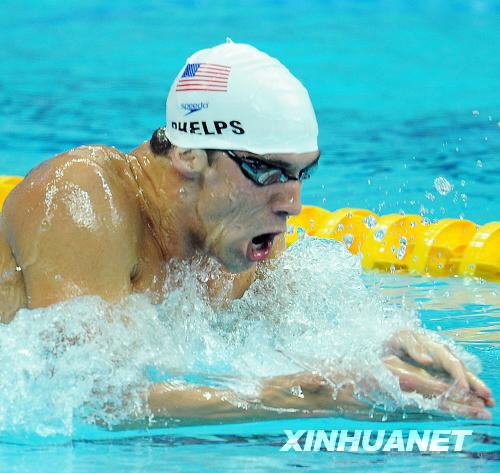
x=407 y=243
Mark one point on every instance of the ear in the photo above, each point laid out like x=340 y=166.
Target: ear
x=190 y=163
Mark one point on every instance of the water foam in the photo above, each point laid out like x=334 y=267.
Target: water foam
x=90 y=361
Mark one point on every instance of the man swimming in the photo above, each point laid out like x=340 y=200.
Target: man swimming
x=220 y=180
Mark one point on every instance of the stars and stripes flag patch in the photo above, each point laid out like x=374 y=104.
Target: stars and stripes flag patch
x=204 y=76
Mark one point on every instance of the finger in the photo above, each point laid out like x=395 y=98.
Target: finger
x=416 y=379
x=467 y=399
x=418 y=353
x=407 y=343
x=480 y=388
x=452 y=365
x=464 y=410
x=444 y=357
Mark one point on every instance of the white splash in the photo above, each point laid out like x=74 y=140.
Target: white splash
x=88 y=361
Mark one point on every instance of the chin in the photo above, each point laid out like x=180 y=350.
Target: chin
x=236 y=262
x=237 y=267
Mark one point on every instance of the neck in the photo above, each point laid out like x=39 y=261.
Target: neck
x=166 y=207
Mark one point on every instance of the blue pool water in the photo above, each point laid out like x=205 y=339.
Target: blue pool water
x=405 y=92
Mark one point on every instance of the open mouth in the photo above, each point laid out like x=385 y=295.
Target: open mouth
x=260 y=246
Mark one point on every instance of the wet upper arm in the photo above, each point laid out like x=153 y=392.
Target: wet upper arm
x=72 y=231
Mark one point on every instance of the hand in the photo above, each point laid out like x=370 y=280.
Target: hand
x=431 y=354
x=414 y=379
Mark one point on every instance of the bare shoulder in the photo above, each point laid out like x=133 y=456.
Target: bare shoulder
x=75 y=220
x=87 y=164
x=81 y=188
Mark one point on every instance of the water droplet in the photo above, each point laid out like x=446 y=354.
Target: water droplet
x=475 y=113
x=479 y=163
x=442 y=185
x=379 y=235
x=370 y=221
x=430 y=196
x=340 y=227
x=348 y=239
x=485 y=138
x=18 y=268
x=401 y=252
x=425 y=221
x=289 y=228
x=301 y=233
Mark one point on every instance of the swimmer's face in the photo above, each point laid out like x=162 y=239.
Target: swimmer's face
x=241 y=219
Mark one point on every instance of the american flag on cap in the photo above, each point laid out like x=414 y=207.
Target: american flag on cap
x=204 y=76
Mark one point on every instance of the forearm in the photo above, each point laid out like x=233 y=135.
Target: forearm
x=280 y=398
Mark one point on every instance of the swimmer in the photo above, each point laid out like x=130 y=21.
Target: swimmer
x=220 y=181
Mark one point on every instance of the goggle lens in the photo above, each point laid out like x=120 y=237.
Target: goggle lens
x=265 y=174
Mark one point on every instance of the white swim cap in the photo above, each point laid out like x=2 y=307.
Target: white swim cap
x=236 y=97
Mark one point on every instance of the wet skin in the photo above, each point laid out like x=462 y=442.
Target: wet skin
x=95 y=221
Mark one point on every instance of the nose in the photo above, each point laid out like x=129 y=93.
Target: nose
x=286 y=199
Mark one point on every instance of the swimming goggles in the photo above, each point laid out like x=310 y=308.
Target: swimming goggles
x=263 y=173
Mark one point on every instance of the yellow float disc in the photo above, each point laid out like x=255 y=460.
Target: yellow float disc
x=390 y=243
x=7 y=183
x=482 y=255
